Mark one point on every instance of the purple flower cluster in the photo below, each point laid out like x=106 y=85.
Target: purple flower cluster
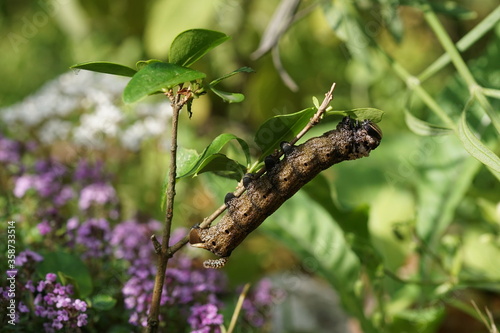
x=53 y=302
x=98 y=193
x=94 y=235
x=205 y=319
x=195 y=291
x=257 y=305
x=27 y=257
x=191 y=296
x=88 y=173
x=47 y=181
x=56 y=186
x=10 y=151
x=53 y=307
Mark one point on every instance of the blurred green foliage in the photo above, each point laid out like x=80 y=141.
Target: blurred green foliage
x=423 y=213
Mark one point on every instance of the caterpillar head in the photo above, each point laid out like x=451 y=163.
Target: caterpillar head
x=220 y=239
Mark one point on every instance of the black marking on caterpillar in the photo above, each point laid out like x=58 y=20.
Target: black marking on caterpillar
x=270 y=162
x=286 y=147
x=230 y=196
x=247 y=179
x=350 y=140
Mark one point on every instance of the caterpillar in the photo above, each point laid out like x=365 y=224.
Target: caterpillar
x=283 y=178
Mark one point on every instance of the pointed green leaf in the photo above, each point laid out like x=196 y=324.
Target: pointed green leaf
x=157 y=76
x=281 y=128
x=423 y=128
x=211 y=155
x=223 y=166
x=372 y=114
x=105 y=67
x=191 y=45
x=227 y=96
x=476 y=148
x=239 y=70
x=308 y=230
x=444 y=177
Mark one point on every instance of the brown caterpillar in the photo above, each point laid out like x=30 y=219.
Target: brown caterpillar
x=350 y=140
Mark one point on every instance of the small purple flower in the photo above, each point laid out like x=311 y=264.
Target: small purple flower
x=65 y=195
x=94 y=235
x=27 y=256
x=57 y=324
x=10 y=151
x=98 y=193
x=62 y=315
x=44 y=227
x=85 y=172
x=205 y=316
x=80 y=305
x=72 y=223
x=131 y=239
x=41 y=286
x=257 y=305
x=62 y=302
x=81 y=320
x=59 y=290
x=29 y=286
x=51 y=277
x=23 y=184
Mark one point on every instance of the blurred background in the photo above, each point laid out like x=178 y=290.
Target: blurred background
x=414 y=193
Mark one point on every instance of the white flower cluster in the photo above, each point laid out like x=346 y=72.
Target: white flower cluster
x=85 y=108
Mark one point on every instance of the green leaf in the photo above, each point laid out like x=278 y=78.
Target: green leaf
x=223 y=166
x=239 y=70
x=281 y=128
x=211 y=156
x=344 y=19
x=423 y=128
x=71 y=266
x=157 y=76
x=444 y=176
x=106 y=67
x=102 y=302
x=227 y=96
x=191 y=45
x=354 y=223
x=372 y=114
x=307 y=229
x=476 y=148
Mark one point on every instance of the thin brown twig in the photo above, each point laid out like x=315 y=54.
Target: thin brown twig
x=240 y=189
x=163 y=253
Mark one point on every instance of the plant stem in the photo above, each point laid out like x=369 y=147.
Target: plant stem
x=165 y=254
x=240 y=189
x=237 y=309
x=463 y=44
x=459 y=63
x=413 y=84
